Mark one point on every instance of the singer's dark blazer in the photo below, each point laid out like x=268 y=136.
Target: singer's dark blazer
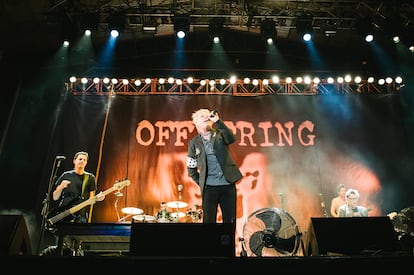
x=221 y=138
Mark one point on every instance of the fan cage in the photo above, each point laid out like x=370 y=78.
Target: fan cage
x=270 y=232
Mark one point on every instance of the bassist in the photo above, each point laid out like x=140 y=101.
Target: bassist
x=73 y=187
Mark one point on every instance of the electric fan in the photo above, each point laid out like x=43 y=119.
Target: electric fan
x=270 y=232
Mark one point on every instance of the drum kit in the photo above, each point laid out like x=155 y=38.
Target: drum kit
x=170 y=212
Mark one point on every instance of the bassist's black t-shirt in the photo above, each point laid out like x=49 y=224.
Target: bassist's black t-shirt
x=73 y=195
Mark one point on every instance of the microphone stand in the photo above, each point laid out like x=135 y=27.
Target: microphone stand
x=46 y=200
x=325 y=213
x=282 y=200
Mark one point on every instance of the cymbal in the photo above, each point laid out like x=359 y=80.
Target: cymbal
x=132 y=211
x=177 y=204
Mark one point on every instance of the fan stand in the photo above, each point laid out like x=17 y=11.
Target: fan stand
x=243 y=252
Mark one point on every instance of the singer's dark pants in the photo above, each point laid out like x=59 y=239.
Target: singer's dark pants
x=223 y=196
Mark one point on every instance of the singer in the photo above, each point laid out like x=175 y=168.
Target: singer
x=210 y=165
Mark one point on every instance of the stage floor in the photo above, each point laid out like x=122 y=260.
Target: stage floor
x=178 y=265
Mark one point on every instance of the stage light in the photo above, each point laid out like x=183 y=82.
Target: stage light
x=406 y=36
x=114 y=33
x=396 y=39
x=268 y=30
x=304 y=26
x=215 y=29
x=89 y=22
x=152 y=29
x=116 y=22
x=365 y=27
x=369 y=37
x=398 y=80
x=69 y=29
x=330 y=28
x=181 y=25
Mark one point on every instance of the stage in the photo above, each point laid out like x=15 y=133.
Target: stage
x=137 y=247
x=178 y=265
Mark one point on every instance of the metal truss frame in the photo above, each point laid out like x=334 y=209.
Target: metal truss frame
x=238 y=15
x=238 y=88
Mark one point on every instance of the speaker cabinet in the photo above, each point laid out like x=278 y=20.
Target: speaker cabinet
x=351 y=236
x=182 y=240
x=14 y=236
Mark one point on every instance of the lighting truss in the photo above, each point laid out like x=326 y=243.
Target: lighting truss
x=233 y=86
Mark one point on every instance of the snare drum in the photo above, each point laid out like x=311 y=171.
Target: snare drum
x=144 y=218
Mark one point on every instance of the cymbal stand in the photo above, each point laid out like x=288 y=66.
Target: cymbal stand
x=243 y=252
x=180 y=189
x=177 y=214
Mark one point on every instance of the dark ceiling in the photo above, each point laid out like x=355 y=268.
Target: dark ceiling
x=38 y=23
x=35 y=27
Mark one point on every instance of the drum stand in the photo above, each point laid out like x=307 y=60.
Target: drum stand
x=177 y=205
x=118 y=196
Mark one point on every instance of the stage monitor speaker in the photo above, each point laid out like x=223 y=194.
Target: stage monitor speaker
x=182 y=240
x=14 y=236
x=351 y=236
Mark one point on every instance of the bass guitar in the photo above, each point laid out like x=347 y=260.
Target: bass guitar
x=116 y=187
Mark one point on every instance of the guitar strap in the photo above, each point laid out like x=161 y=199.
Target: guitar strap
x=85 y=181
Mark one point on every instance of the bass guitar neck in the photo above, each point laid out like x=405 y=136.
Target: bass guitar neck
x=117 y=186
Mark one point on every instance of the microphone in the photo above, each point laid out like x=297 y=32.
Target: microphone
x=60 y=157
x=213 y=113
